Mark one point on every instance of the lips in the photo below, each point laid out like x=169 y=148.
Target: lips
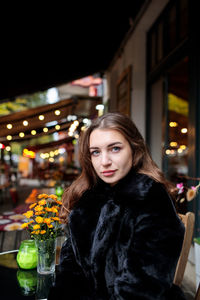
x=108 y=172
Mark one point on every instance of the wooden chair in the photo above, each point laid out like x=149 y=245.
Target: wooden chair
x=188 y=220
x=197 y=296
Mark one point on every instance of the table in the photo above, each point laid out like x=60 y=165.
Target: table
x=18 y=284
x=11 y=221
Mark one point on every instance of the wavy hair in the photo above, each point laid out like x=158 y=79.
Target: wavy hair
x=142 y=161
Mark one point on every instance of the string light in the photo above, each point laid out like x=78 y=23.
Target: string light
x=8 y=148
x=51 y=154
x=57 y=112
x=21 y=134
x=45 y=129
x=173 y=124
x=57 y=127
x=183 y=147
x=184 y=130
x=9 y=126
x=41 y=117
x=33 y=132
x=25 y=123
x=173 y=144
x=9 y=137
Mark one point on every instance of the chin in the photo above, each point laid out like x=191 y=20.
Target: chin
x=110 y=181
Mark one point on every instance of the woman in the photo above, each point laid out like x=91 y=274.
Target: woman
x=125 y=236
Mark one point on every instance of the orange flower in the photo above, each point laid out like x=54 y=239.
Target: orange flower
x=58 y=202
x=38 y=213
x=39 y=208
x=42 y=231
x=42 y=202
x=42 y=196
x=28 y=214
x=47 y=220
x=54 y=197
x=48 y=209
x=55 y=218
x=32 y=205
x=50 y=225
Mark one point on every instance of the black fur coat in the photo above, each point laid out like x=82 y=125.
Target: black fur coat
x=124 y=244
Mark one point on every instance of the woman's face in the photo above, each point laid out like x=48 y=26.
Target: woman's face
x=111 y=155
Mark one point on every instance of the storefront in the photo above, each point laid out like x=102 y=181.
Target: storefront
x=158 y=66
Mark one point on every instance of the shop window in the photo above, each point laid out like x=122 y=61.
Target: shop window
x=167 y=32
x=176 y=147
x=172 y=27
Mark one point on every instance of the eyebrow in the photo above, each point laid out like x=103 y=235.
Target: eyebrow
x=110 y=145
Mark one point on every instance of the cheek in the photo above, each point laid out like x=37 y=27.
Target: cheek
x=95 y=163
x=128 y=161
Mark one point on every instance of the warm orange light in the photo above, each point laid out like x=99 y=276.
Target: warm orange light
x=28 y=153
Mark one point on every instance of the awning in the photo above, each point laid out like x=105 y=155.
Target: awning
x=59 y=112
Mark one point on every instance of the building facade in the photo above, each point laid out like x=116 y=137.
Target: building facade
x=154 y=78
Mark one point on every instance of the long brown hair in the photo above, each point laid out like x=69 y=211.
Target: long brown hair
x=142 y=161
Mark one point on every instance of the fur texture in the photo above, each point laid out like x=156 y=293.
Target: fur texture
x=124 y=243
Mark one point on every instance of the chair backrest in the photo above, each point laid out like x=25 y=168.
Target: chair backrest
x=188 y=221
x=197 y=296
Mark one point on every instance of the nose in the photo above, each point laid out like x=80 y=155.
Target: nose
x=105 y=159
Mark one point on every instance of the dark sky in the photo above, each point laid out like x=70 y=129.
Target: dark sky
x=41 y=47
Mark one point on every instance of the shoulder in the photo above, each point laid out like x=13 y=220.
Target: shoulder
x=138 y=187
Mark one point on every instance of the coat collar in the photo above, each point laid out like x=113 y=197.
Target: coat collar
x=133 y=185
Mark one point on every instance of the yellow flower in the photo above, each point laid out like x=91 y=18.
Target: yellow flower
x=33 y=232
x=42 y=231
x=32 y=205
x=25 y=225
x=54 y=209
x=37 y=226
x=37 y=232
x=39 y=219
x=28 y=214
x=50 y=225
x=39 y=208
x=42 y=202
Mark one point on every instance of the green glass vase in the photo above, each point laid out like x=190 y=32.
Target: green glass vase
x=27 y=280
x=27 y=255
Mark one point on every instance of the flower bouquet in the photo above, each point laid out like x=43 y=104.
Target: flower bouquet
x=44 y=225
x=186 y=193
